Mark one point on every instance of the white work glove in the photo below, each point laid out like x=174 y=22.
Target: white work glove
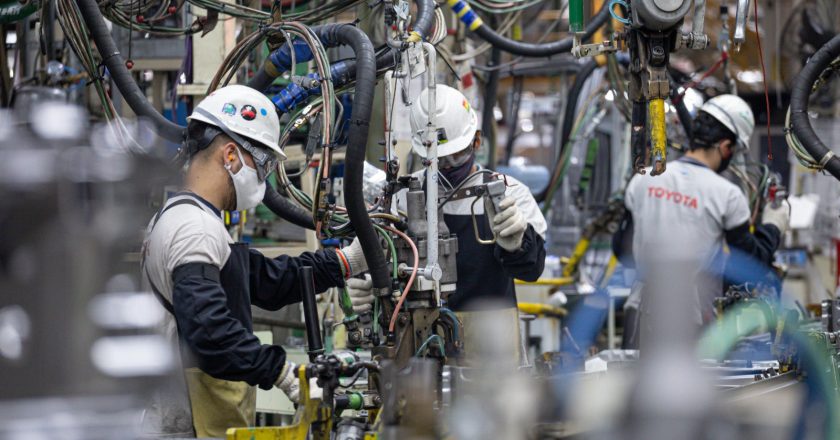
x=361 y=293
x=355 y=257
x=778 y=216
x=289 y=383
x=509 y=225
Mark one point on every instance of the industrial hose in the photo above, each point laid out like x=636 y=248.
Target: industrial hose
x=287 y=210
x=115 y=63
x=573 y=97
x=425 y=18
x=357 y=144
x=279 y=61
x=569 y=114
x=475 y=24
x=341 y=72
x=800 y=92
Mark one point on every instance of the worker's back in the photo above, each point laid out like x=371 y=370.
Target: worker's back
x=682 y=214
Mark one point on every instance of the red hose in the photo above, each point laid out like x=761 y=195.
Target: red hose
x=404 y=295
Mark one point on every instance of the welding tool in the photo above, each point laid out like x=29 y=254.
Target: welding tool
x=652 y=32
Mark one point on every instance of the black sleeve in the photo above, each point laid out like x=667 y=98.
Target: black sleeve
x=760 y=245
x=528 y=262
x=622 y=241
x=274 y=281
x=221 y=346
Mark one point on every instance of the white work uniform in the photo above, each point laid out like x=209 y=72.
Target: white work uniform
x=683 y=213
x=682 y=216
x=201 y=238
x=190 y=233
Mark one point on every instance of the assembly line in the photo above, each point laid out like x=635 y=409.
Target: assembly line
x=394 y=219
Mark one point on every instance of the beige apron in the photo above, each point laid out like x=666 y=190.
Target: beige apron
x=489 y=334
x=219 y=404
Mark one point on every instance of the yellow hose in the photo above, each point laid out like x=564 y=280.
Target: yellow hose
x=564 y=281
x=540 y=309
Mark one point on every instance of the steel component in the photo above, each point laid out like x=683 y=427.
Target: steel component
x=420 y=230
x=659 y=15
x=431 y=171
x=740 y=34
x=310 y=312
x=692 y=41
x=699 y=22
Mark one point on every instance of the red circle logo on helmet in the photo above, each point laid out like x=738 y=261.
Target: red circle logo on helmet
x=248 y=112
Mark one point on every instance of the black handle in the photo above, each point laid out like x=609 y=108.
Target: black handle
x=310 y=312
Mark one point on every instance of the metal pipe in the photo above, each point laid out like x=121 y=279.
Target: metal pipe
x=432 y=270
x=741 y=23
x=310 y=312
x=699 y=17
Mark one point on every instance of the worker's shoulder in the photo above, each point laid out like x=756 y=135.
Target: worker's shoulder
x=185 y=220
x=516 y=187
x=721 y=184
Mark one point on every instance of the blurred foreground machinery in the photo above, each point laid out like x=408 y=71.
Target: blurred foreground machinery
x=78 y=347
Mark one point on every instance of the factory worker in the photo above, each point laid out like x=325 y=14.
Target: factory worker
x=207 y=283
x=690 y=211
x=485 y=286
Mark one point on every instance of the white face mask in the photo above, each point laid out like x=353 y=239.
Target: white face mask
x=249 y=189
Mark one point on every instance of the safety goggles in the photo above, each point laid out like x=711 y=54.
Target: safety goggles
x=264 y=160
x=455 y=160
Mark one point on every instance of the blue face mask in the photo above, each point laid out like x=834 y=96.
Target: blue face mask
x=456 y=175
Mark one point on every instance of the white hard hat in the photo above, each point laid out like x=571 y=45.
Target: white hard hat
x=735 y=114
x=243 y=111
x=455 y=121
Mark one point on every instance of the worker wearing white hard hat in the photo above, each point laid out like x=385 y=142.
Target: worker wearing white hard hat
x=207 y=283
x=691 y=211
x=485 y=287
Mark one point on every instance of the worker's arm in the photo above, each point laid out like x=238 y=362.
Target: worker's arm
x=275 y=282
x=527 y=260
x=526 y=263
x=622 y=241
x=760 y=245
x=221 y=345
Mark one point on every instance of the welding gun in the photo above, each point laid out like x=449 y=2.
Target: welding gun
x=491 y=193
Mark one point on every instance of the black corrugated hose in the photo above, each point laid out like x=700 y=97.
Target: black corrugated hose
x=800 y=92
x=286 y=209
x=115 y=63
x=569 y=114
x=425 y=18
x=357 y=139
x=543 y=49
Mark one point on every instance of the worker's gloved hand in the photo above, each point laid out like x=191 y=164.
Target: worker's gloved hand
x=355 y=257
x=778 y=216
x=289 y=383
x=361 y=293
x=509 y=225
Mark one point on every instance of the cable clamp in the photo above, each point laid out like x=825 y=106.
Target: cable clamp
x=359 y=122
x=828 y=156
x=100 y=74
